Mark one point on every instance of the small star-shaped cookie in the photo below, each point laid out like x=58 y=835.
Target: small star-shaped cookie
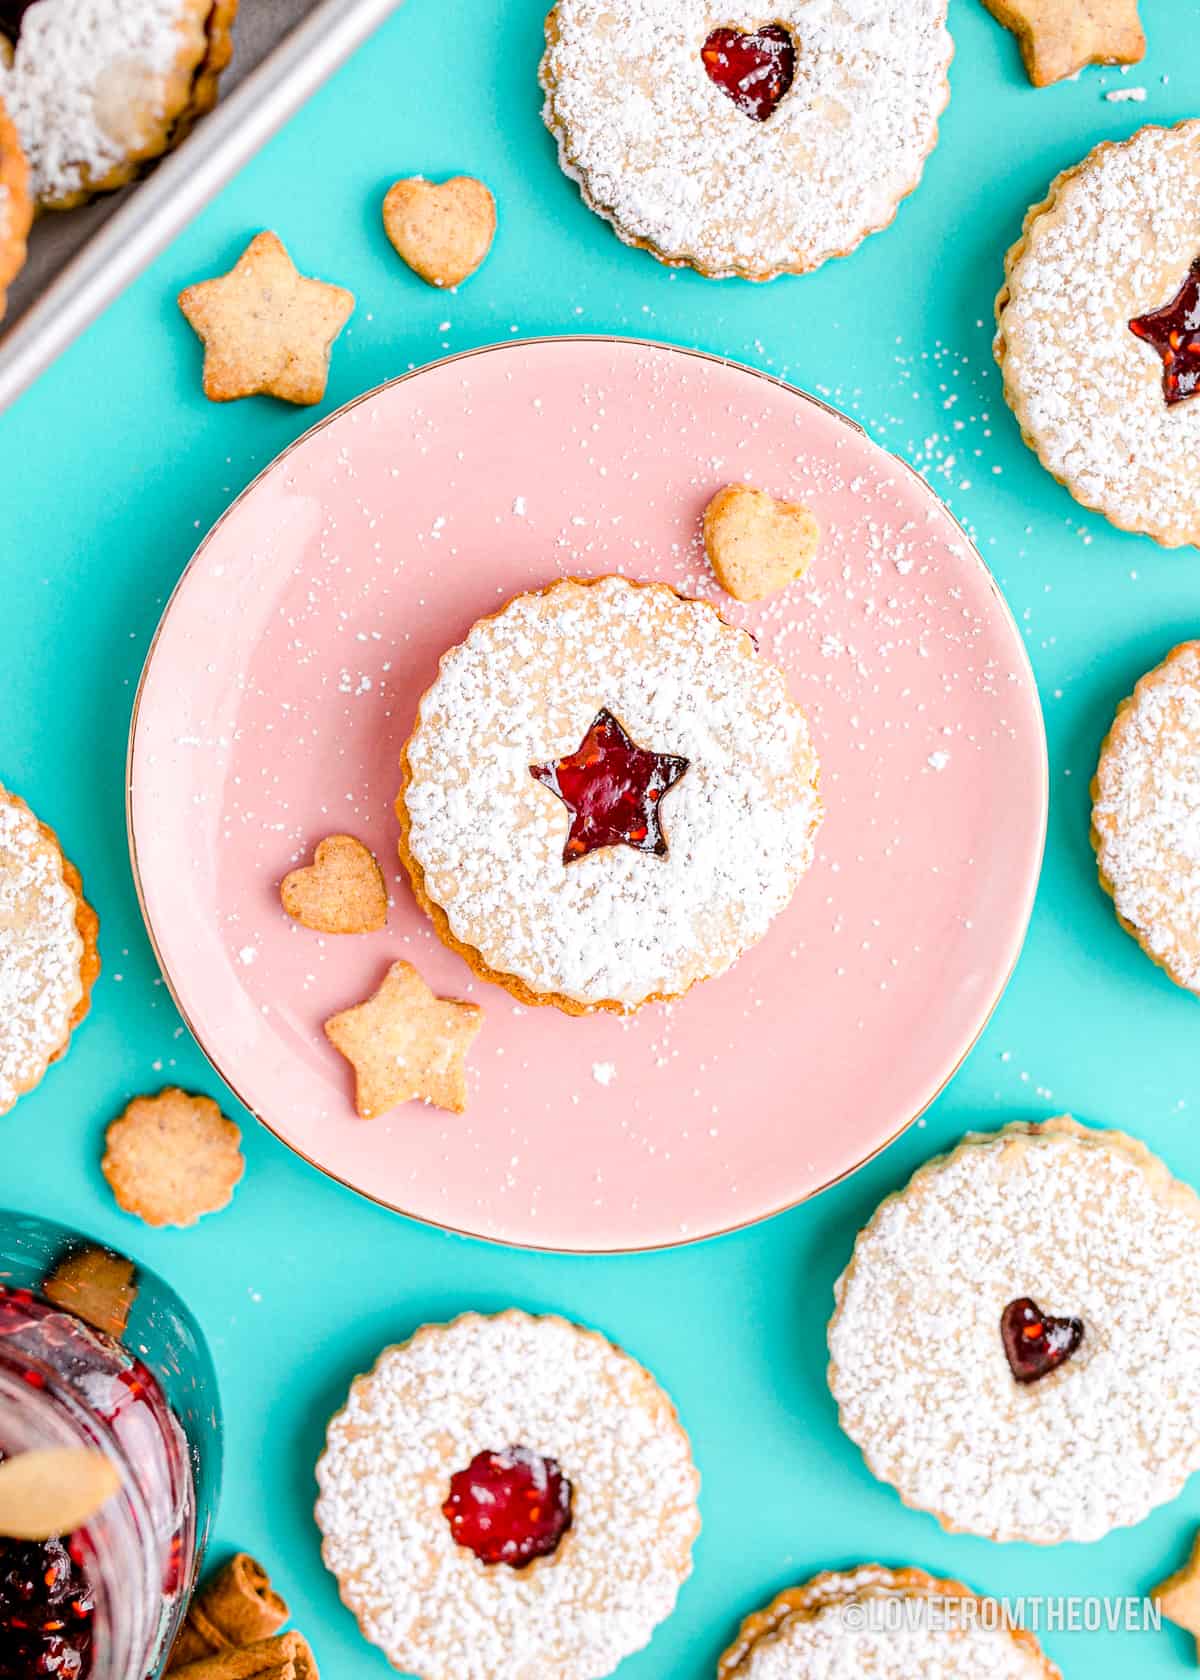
x=1178 y=1597
x=1058 y=38
x=405 y=1044
x=266 y=329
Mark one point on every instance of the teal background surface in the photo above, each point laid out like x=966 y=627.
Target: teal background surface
x=113 y=466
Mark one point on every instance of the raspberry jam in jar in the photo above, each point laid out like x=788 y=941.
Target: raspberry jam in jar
x=104 y=1602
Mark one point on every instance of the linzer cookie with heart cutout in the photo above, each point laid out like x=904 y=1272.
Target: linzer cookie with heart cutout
x=1016 y=1341
x=96 y=90
x=1099 y=332
x=508 y=1496
x=743 y=144
x=608 y=795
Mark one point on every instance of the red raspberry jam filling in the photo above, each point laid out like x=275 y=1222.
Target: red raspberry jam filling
x=1035 y=1343
x=508 y=1507
x=1174 y=331
x=612 y=789
x=45 y=1609
x=754 y=70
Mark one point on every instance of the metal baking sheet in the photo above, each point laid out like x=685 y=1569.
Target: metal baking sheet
x=79 y=260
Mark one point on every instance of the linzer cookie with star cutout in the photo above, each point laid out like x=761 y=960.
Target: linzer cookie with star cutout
x=1016 y=1341
x=97 y=88
x=754 y=145
x=1146 y=814
x=608 y=795
x=507 y=1496
x=1099 y=332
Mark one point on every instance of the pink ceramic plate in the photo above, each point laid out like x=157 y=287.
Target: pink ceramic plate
x=283 y=684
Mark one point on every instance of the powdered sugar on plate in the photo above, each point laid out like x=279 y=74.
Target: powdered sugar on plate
x=1087 y=1224
x=482 y=1385
x=673 y=163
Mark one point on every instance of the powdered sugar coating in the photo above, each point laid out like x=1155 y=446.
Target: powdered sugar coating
x=671 y=161
x=1087 y=1224
x=1146 y=816
x=871 y=1632
x=482 y=1384
x=1114 y=240
x=92 y=85
x=41 y=951
x=617 y=926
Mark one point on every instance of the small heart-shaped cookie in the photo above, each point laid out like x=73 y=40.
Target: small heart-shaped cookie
x=755 y=544
x=341 y=891
x=443 y=231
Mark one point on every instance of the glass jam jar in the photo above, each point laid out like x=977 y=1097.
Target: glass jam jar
x=105 y=1602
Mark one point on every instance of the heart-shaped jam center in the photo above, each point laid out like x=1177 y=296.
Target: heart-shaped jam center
x=1035 y=1343
x=509 y=1507
x=1174 y=331
x=753 y=69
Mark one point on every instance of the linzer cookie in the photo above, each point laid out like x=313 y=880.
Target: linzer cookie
x=507 y=1496
x=1059 y=38
x=1099 y=332
x=48 y=958
x=1016 y=1341
x=751 y=145
x=873 y=1623
x=608 y=795
x=1146 y=814
x=16 y=207
x=96 y=88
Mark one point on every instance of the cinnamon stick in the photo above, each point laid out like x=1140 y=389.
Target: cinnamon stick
x=286 y=1657
x=237 y=1606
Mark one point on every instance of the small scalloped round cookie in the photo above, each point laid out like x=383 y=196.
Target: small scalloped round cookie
x=678 y=168
x=1089 y=1226
x=485 y=840
x=485 y=1386
x=1146 y=814
x=1113 y=241
x=866 y=1624
x=48 y=957
x=16 y=207
x=97 y=88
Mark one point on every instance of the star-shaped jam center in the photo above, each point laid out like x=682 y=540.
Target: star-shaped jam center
x=1174 y=331
x=613 y=790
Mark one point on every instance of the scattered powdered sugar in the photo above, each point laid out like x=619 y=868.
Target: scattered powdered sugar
x=86 y=86
x=604 y=1072
x=1087 y=1224
x=1118 y=96
x=1146 y=819
x=483 y=1384
x=1115 y=241
x=618 y=924
x=938 y=760
x=663 y=153
x=40 y=951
